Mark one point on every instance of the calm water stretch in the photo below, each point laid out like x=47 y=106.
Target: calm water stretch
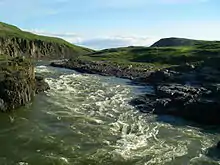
x=86 y=120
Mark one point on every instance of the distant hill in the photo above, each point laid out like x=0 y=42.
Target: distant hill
x=14 y=42
x=169 y=42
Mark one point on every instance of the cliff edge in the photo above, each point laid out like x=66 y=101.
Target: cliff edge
x=15 y=42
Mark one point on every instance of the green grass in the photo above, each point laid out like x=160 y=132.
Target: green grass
x=166 y=42
x=207 y=52
x=10 y=31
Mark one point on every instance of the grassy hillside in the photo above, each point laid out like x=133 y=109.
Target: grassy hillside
x=199 y=51
x=172 y=41
x=10 y=31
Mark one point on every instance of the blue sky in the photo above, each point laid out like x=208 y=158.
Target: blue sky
x=113 y=23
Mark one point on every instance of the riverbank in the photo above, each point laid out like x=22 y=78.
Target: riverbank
x=105 y=68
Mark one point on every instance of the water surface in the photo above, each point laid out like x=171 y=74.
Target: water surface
x=86 y=120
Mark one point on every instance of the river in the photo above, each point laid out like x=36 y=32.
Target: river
x=86 y=120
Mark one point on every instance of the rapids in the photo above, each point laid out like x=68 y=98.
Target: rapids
x=86 y=120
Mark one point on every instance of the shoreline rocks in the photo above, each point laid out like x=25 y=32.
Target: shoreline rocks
x=102 y=68
x=192 y=93
x=197 y=104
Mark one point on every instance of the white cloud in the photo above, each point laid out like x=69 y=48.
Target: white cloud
x=118 y=41
x=70 y=37
x=101 y=42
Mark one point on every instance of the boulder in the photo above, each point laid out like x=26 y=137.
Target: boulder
x=159 y=76
x=165 y=75
x=41 y=85
x=218 y=145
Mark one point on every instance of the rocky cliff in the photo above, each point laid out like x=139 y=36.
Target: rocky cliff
x=18 y=84
x=15 y=42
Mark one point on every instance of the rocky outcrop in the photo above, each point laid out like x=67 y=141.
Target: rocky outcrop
x=185 y=74
x=17 y=83
x=193 y=103
x=188 y=91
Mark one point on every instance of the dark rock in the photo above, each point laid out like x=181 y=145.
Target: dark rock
x=17 y=88
x=39 y=78
x=194 y=103
x=159 y=76
x=41 y=85
x=165 y=76
x=208 y=75
x=218 y=145
x=18 y=84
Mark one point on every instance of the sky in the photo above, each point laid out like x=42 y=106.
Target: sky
x=100 y=24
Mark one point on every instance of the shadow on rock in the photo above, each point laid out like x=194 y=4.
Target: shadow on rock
x=214 y=152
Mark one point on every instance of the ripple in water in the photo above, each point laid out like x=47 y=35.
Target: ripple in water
x=86 y=119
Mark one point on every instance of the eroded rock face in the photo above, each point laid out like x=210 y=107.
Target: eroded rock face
x=35 y=49
x=18 y=84
x=194 y=103
x=16 y=89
